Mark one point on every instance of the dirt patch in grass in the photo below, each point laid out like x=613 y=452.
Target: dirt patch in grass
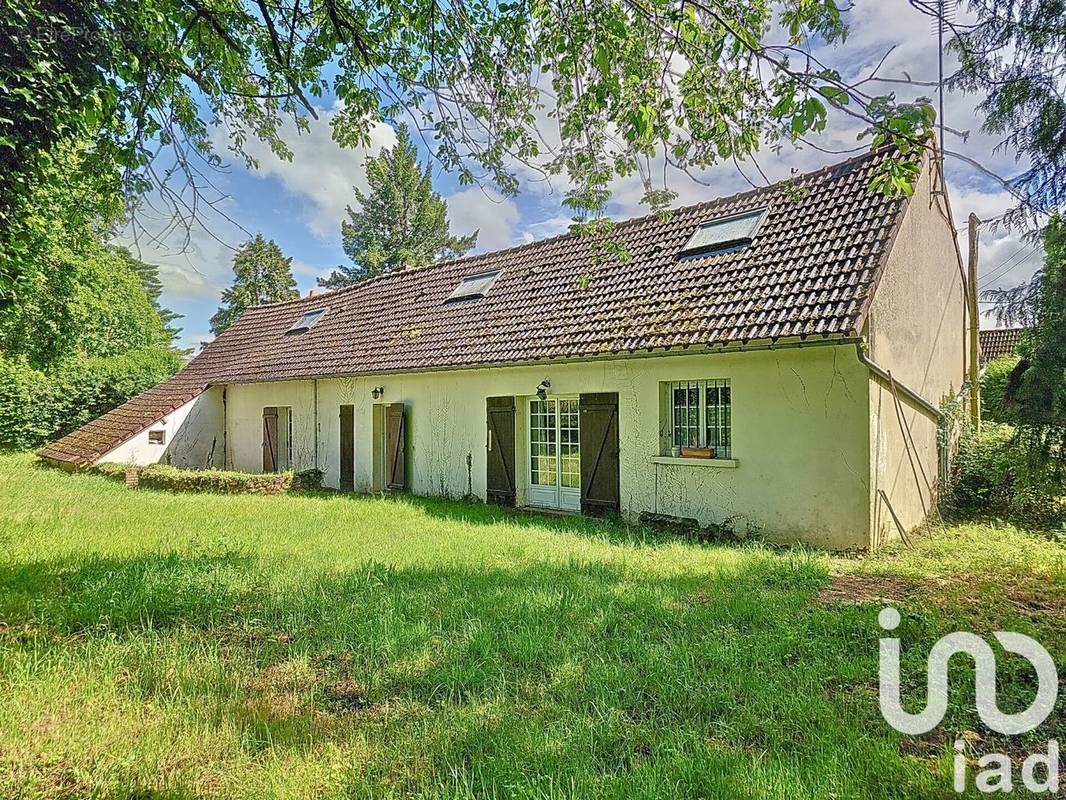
x=288 y=689
x=1029 y=597
x=42 y=775
x=345 y=696
x=866 y=589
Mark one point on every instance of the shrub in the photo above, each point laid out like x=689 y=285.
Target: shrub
x=308 y=480
x=991 y=478
x=173 y=479
x=994 y=386
x=116 y=472
x=168 y=478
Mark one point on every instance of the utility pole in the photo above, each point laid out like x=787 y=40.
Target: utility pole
x=975 y=347
x=940 y=80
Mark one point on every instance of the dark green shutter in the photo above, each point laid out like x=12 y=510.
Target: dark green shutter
x=270 y=439
x=396 y=447
x=599 y=453
x=500 y=451
x=347 y=455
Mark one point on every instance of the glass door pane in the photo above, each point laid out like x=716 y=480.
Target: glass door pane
x=555 y=453
x=543 y=443
x=569 y=445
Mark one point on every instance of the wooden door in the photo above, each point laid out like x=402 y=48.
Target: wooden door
x=270 y=439
x=599 y=453
x=347 y=455
x=500 y=451
x=395 y=447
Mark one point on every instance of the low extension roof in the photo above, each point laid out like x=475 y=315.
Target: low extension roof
x=810 y=270
x=998 y=342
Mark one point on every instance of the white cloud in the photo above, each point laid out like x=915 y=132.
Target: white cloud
x=301 y=269
x=194 y=341
x=320 y=171
x=546 y=228
x=487 y=211
x=193 y=264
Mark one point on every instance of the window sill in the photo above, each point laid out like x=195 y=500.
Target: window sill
x=719 y=463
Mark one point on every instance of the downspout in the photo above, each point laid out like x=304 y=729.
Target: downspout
x=932 y=411
x=226 y=464
x=316 y=423
x=886 y=376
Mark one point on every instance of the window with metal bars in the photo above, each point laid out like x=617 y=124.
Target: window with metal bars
x=701 y=414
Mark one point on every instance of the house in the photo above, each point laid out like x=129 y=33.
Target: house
x=776 y=358
x=998 y=342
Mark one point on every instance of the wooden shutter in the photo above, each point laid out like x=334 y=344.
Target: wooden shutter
x=599 y=453
x=347 y=455
x=500 y=451
x=395 y=447
x=270 y=439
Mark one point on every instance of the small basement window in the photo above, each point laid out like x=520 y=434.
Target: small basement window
x=700 y=415
x=737 y=230
x=473 y=286
x=157 y=437
x=307 y=321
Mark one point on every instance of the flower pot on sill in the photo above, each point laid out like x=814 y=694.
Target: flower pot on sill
x=675 y=452
x=697 y=452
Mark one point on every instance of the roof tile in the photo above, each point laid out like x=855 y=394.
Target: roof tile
x=812 y=264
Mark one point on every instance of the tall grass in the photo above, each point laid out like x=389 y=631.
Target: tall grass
x=168 y=645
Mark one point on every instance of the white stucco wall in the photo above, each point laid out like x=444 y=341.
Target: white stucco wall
x=193 y=437
x=916 y=330
x=800 y=434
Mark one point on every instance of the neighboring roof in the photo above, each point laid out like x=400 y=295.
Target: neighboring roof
x=810 y=271
x=998 y=342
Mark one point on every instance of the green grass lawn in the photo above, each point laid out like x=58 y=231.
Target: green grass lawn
x=163 y=645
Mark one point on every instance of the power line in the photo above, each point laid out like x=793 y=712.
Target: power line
x=1005 y=266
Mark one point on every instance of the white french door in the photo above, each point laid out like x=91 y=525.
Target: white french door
x=554 y=453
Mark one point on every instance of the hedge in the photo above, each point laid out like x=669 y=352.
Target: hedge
x=214 y=481
x=993 y=388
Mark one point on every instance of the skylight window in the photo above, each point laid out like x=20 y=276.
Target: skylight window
x=473 y=286
x=737 y=230
x=307 y=321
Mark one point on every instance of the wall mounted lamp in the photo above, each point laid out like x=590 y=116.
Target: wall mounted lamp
x=377 y=392
x=542 y=388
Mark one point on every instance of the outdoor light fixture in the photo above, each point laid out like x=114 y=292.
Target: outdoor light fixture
x=542 y=388
x=377 y=392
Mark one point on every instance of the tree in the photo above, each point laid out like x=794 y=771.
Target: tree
x=1015 y=55
x=153 y=287
x=623 y=82
x=75 y=296
x=82 y=333
x=85 y=302
x=402 y=222
x=262 y=275
x=1036 y=391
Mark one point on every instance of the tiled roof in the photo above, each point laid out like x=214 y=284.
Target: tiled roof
x=108 y=431
x=998 y=342
x=810 y=271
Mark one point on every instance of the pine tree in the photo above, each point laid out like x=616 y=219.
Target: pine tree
x=263 y=275
x=153 y=287
x=402 y=222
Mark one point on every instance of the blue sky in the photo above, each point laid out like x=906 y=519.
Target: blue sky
x=300 y=204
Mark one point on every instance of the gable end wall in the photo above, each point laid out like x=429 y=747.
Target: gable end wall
x=916 y=330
